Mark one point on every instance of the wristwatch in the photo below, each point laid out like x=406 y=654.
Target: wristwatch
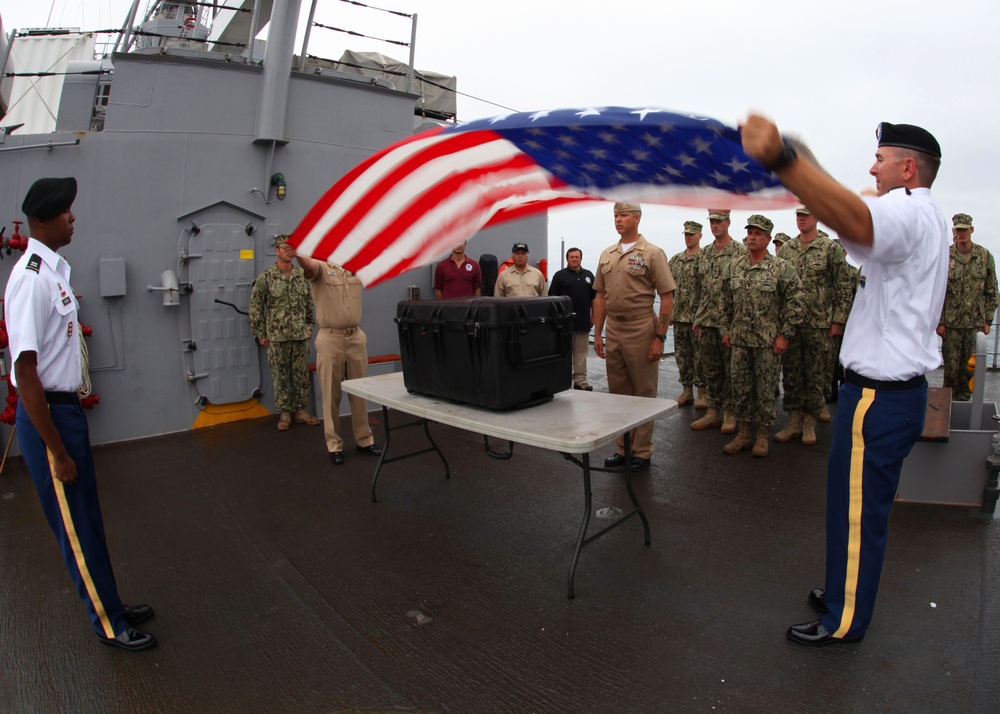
x=661 y=338
x=787 y=157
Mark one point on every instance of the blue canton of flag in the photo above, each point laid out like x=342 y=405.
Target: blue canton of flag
x=409 y=203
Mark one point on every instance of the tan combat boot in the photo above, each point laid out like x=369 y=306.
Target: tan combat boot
x=760 y=446
x=808 y=429
x=743 y=439
x=304 y=417
x=709 y=421
x=686 y=397
x=284 y=421
x=702 y=401
x=824 y=415
x=728 y=422
x=793 y=429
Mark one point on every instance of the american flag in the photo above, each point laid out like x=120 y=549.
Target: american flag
x=412 y=202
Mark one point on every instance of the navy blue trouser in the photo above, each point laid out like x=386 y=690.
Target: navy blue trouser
x=74 y=513
x=874 y=430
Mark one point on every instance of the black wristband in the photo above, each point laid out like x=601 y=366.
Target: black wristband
x=787 y=157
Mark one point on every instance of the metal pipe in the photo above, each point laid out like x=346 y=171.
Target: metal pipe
x=254 y=19
x=272 y=103
x=305 y=40
x=125 y=36
x=46 y=145
x=976 y=418
x=996 y=339
x=6 y=53
x=413 y=51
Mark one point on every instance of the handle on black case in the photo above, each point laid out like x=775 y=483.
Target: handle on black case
x=514 y=345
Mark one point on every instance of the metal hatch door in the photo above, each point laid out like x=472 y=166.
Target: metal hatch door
x=221 y=269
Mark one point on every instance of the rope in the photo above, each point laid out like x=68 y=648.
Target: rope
x=86 y=388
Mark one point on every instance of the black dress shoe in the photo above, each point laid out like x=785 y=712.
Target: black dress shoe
x=130 y=639
x=336 y=458
x=639 y=464
x=817 y=600
x=813 y=634
x=614 y=462
x=134 y=614
x=372 y=449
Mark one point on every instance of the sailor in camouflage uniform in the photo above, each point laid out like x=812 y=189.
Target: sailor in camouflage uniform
x=684 y=267
x=763 y=303
x=808 y=365
x=281 y=316
x=969 y=305
x=710 y=319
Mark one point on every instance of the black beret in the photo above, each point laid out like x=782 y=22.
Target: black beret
x=48 y=197
x=908 y=136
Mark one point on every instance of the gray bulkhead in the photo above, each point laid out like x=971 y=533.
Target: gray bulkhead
x=171 y=177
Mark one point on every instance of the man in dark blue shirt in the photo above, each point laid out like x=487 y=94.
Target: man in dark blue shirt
x=577 y=283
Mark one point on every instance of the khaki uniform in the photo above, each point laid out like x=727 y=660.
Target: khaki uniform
x=969 y=306
x=631 y=280
x=530 y=283
x=809 y=362
x=281 y=311
x=684 y=268
x=710 y=318
x=341 y=350
x=762 y=300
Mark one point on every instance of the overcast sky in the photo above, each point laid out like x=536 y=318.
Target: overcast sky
x=828 y=72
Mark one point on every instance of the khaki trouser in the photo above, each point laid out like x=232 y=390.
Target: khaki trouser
x=581 y=346
x=631 y=372
x=341 y=356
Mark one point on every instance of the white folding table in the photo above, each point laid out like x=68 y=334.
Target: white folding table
x=574 y=423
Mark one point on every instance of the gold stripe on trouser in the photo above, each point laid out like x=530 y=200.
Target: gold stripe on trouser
x=74 y=540
x=854 y=511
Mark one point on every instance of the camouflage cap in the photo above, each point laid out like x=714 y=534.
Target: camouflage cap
x=692 y=227
x=762 y=222
x=718 y=214
x=281 y=239
x=802 y=211
x=781 y=238
x=961 y=220
x=628 y=208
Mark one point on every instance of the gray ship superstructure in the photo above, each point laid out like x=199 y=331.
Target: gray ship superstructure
x=191 y=156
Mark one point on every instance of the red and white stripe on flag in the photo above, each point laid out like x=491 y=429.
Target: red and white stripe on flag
x=408 y=204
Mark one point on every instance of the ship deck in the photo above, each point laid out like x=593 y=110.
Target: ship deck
x=280 y=587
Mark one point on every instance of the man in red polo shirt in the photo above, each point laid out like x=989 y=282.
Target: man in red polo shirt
x=457 y=276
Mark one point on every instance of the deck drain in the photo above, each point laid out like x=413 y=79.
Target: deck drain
x=608 y=512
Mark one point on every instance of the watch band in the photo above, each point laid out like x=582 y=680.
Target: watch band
x=662 y=338
x=787 y=157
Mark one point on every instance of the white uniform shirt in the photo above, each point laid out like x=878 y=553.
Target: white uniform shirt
x=41 y=313
x=891 y=333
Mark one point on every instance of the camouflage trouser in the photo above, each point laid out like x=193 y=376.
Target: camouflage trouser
x=687 y=355
x=807 y=370
x=755 y=372
x=289 y=363
x=958 y=345
x=715 y=367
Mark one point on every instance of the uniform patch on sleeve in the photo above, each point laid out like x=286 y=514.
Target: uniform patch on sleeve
x=34 y=262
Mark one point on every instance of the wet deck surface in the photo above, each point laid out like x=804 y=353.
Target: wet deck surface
x=279 y=586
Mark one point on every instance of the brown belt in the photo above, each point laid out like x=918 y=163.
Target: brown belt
x=341 y=330
x=628 y=316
